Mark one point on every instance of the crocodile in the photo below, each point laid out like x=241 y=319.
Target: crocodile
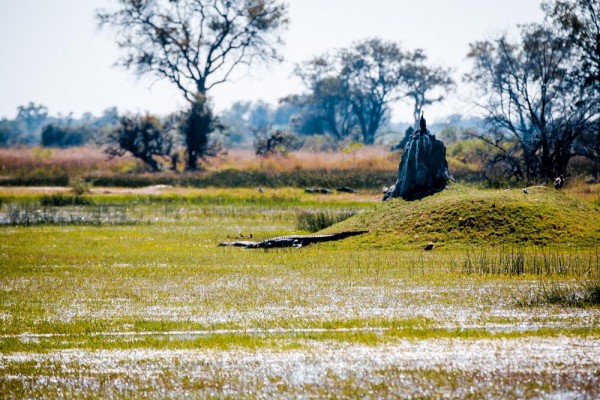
x=293 y=240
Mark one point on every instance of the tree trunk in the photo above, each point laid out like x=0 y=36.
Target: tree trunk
x=192 y=160
x=152 y=163
x=369 y=137
x=198 y=127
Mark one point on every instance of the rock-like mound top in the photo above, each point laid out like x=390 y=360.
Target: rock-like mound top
x=461 y=215
x=423 y=169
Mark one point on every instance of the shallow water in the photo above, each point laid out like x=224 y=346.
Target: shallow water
x=560 y=367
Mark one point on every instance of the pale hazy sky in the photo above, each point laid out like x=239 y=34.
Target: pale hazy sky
x=51 y=51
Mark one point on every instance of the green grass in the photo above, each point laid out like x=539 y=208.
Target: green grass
x=165 y=272
x=226 y=178
x=154 y=308
x=160 y=195
x=28 y=207
x=466 y=216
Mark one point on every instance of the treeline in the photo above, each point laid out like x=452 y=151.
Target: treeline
x=347 y=98
x=539 y=93
x=33 y=126
x=264 y=127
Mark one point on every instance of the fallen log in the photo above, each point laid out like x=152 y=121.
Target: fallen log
x=292 y=240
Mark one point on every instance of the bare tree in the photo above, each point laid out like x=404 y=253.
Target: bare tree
x=195 y=44
x=532 y=99
x=580 y=21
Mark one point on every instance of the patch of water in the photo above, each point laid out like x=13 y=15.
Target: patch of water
x=500 y=367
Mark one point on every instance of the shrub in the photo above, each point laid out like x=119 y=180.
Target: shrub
x=79 y=186
x=142 y=136
x=275 y=143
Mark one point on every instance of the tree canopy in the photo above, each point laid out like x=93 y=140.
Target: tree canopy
x=538 y=107
x=352 y=89
x=579 y=20
x=195 y=44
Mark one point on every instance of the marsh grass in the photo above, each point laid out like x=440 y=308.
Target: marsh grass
x=573 y=294
x=157 y=206
x=315 y=368
x=154 y=308
x=314 y=221
x=61 y=200
x=521 y=260
x=64 y=211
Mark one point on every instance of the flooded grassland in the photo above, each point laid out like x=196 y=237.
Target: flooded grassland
x=146 y=305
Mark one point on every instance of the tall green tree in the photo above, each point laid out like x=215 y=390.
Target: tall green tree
x=425 y=84
x=373 y=70
x=196 y=44
x=355 y=87
x=329 y=97
x=30 y=120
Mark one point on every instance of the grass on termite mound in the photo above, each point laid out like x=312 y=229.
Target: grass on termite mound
x=461 y=215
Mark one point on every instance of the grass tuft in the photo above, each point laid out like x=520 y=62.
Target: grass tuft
x=79 y=186
x=314 y=221
x=586 y=294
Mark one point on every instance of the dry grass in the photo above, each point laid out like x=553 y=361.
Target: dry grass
x=90 y=159
x=365 y=168
x=585 y=191
x=54 y=167
x=74 y=160
x=369 y=158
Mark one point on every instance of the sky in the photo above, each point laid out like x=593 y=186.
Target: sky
x=53 y=53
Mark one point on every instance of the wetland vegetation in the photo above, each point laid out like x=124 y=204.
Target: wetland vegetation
x=112 y=283
x=140 y=301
